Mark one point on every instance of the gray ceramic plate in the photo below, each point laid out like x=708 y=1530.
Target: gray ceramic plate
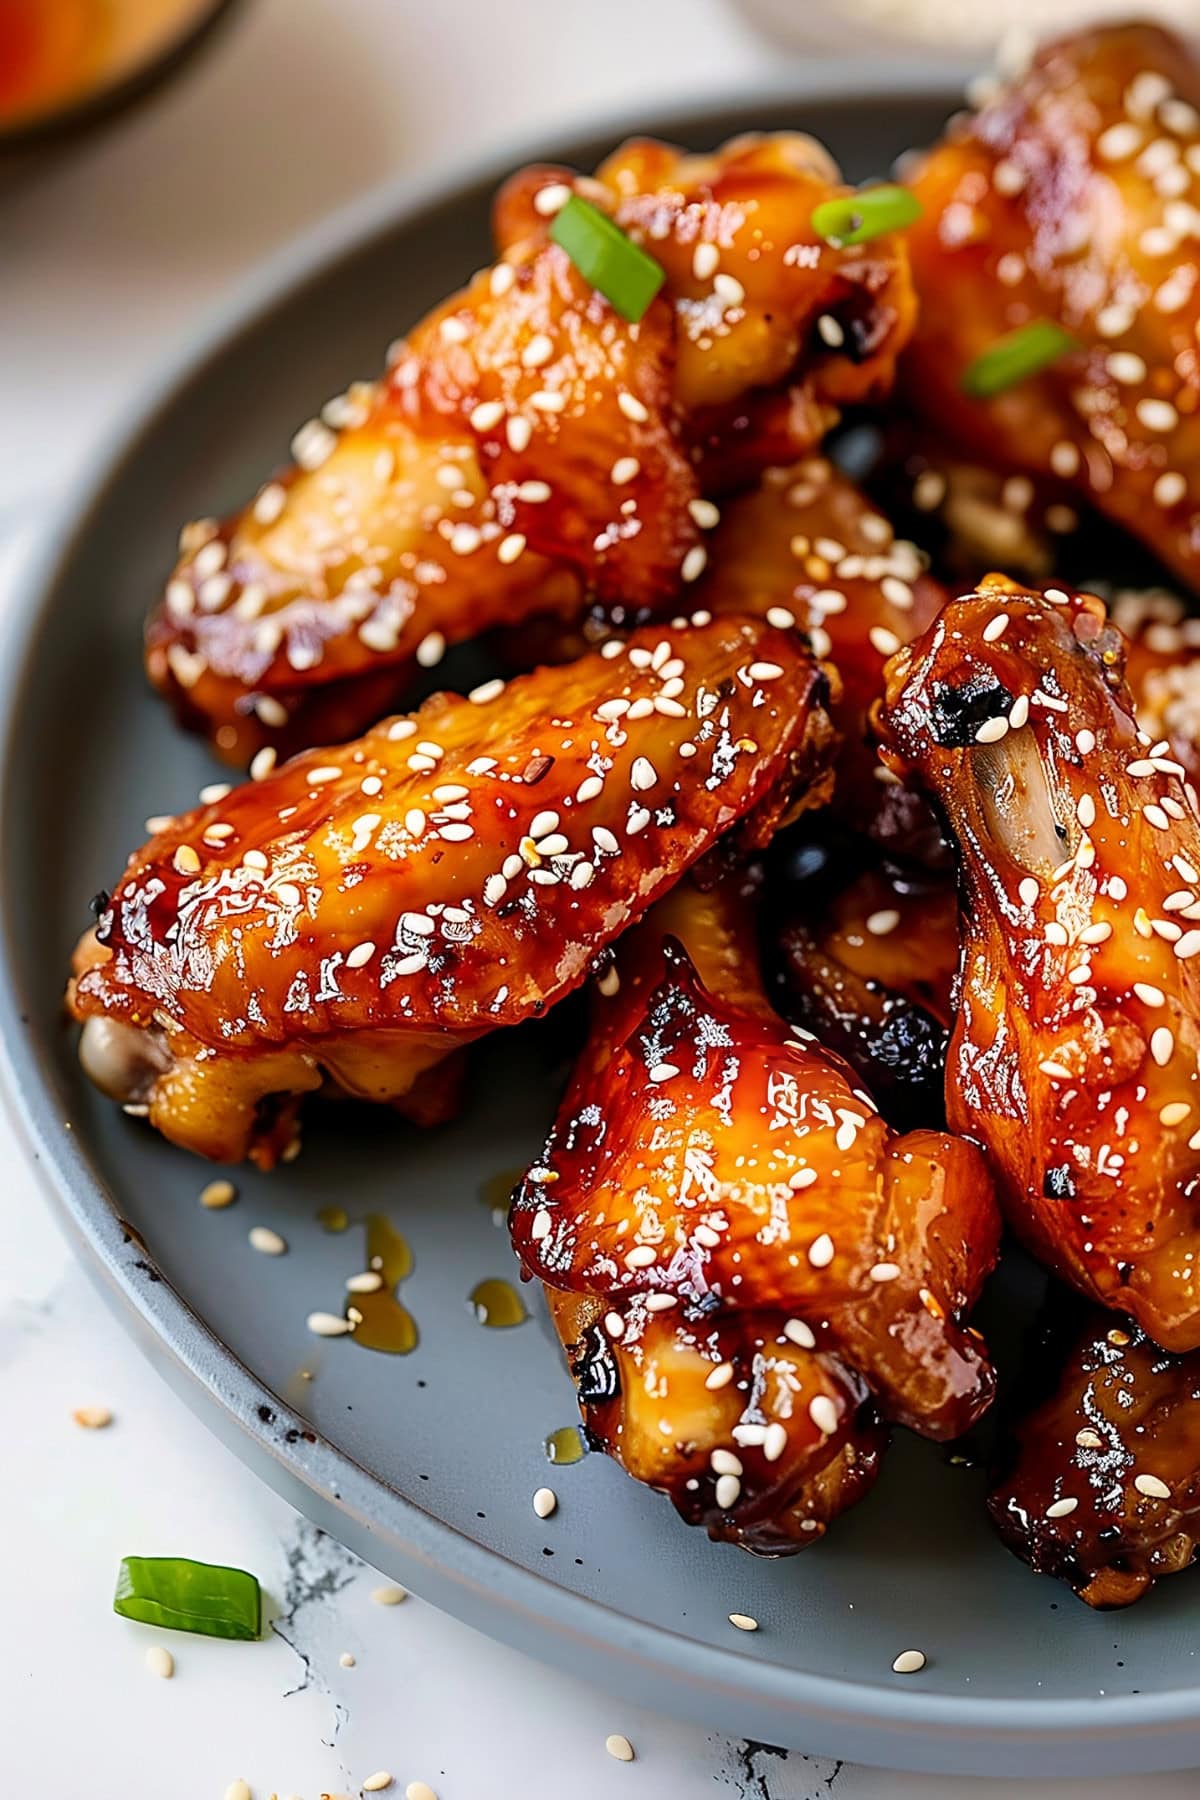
x=426 y=1463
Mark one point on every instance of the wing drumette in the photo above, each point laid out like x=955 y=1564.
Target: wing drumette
x=1074 y=1055
x=361 y=912
x=1072 y=197
x=527 y=444
x=1102 y=1483
x=746 y=1266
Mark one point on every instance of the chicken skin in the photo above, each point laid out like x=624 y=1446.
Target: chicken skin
x=359 y=913
x=1071 y=198
x=1101 y=1483
x=1074 y=1052
x=748 y=1269
x=529 y=446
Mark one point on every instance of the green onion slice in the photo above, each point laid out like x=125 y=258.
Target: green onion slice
x=189 y=1596
x=616 y=266
x=1015 y=357
x=857 y=218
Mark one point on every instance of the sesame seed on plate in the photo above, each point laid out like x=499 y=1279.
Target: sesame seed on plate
x=619 y=1747
x=325 y=1324
x=218 y=1194
x=266 y=1241
x=160 y=1662
x=545 y=1501
x=375 y=1784
x=909 y=1662
x=92 y=1418
x=743 y=1621
x=389 y=1595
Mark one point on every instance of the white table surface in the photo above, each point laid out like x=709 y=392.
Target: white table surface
x=107 y=255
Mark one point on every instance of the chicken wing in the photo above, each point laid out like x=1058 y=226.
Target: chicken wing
x=805 y=548
x=1073 y=196
x=359 y=913
x=1074 y=1053
x=868 y=950
x=527 y=444
x=1101 y=1483
x=748 y=1269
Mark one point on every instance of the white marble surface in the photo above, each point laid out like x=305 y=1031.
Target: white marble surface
x=108 y=255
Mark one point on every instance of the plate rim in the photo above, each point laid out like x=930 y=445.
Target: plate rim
x=872 y=1722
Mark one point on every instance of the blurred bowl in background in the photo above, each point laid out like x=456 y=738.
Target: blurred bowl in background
x=64 y=62
x=948 y=30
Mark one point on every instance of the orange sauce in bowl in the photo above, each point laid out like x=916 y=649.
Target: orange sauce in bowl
x=57 y=53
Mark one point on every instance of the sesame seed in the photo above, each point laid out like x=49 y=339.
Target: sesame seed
x=824 y=1414
x=775 y=1442
x=218 y=1194
x=880 y=923
x=640 y=1257
x=1056 y=1070
x=374 y=1784
x=537 y=352
x=325 y=1324
x=1119 y=141
x=1174 y=1113
x=160 y=1662
x=1061 y=1509
x=313 y=445
x=643 y=775
x=728 y=290
x=511 y=547
x=369 y=1282
x=802 y=1178
x=518 y=431
x=1157 y=415
x=545 y=1501
x=1187 y=945
x=270 y=503
x=551 y=199
x=909 y=1662
x=1170 y=488
x=1152 y=1487
x=185 y=861
x=625 y=470
x=536 y=493
x=1162 y=1045
x=92 y=1418
x=419 y=1790
x=1125 y=367
x=693 y=564
x=487 y=415
x=431 y=650
x=389 y=1596
x=663 y=1071
x=727 y=1490
x=1152 y=996
x=820 y=1251
x=238 y=1790
x=1087 y=1439
x=632 y=407
x=266 y=1241
x=781 y=617
x=619 y=1747
x=705 y=260
x=1029 y=891
x=995 y=628
x=991 y=731
x=830 y=332
x=884 y=1271
x=797 y=1332
x=765 y=671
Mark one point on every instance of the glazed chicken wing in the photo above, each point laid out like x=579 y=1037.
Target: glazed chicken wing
x=1102 y=1479
x=1073 y=196
x=746 y=1266
x=359 y=913
x=528 y=445
x=1074 y=1054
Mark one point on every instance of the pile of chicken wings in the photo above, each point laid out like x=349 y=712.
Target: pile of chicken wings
x=879 y=858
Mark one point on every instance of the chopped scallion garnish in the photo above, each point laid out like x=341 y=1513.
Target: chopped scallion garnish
x=857 y=218
x=189 y=1596
x=1015 y=357
x=616 y=266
